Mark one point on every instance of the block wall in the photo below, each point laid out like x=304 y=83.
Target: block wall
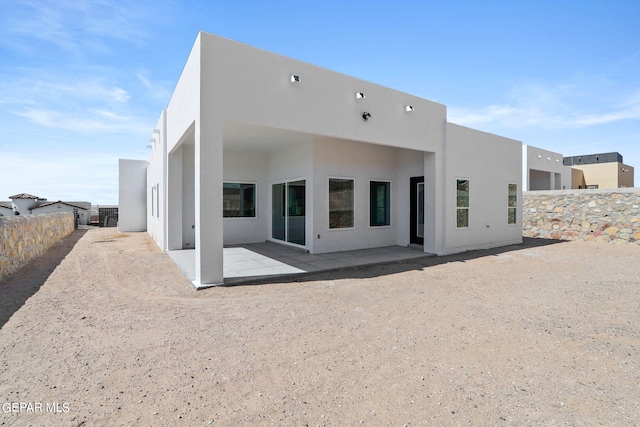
x=609 y=216
x=25 y=237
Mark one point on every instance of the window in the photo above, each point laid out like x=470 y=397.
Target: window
x=512 y=204
x=155 y=201
x=158 y=200
x=380 y=208
x=238 y=200
x=462 y=203
x=341 y=203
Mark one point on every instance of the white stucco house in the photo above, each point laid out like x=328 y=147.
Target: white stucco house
x=544 y=170
x=28 y=204
x=83 y=210
x=255 y=147
x=6 y=209
x=23 y=203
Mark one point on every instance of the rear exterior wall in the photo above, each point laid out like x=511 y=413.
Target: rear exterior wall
x=469 y=152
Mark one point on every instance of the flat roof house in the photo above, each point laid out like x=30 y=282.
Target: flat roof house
x=602 y=170
x=254 y=146
x=544 y=170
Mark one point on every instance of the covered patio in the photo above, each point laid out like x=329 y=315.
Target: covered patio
x=247 y=263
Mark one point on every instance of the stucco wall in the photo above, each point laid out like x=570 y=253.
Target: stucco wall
x=156 y=171
x=611 y=216
x=488 y=188
x=24 y=237
x=543 y=170
x=606 y=175
x=83 y=214
x=362 y=163
x=132 y=199
x=248 y=168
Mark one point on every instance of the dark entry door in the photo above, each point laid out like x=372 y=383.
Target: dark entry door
x=417 y=210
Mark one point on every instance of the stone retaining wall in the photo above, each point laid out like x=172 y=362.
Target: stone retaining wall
x=24 y=237
x=611 y=216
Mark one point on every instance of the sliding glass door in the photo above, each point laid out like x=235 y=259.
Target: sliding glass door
x=288 y=211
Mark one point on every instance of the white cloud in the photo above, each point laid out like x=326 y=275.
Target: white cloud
x=86 y=105
x=156 y=89
x=559 y=106
x=85 y=121
x=50 y=87
x=61 y=176
x=76 y=25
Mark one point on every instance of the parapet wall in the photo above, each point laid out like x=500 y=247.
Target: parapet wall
x=24 y=237
x=611 y=216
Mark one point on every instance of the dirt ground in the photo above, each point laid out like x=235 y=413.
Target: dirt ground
x=536 y=334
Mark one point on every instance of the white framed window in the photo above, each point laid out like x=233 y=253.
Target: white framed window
x=154 y=198
x=462 y=203
x=341 y=203
x=512 y=203
x=239 y=199
x=379 y=203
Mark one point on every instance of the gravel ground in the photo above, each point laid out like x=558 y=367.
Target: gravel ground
x=535 y=334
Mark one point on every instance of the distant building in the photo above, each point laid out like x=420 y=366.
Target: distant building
x=543 y=170
x=28 y=204
x=6 y=209
x=603 y=170
x=83 y=211
x=23 y=203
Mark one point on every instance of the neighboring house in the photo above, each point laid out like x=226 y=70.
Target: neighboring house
x=603 y=170
x=83 y=211
x=543 y=170
x=254 y=146
x=6 y=209
x=23 y=203
x=28 y=204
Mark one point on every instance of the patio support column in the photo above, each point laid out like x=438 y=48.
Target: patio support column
x=208 y=200
x=434 y=200
x=174 y=199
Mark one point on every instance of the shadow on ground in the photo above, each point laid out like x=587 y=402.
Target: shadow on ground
x=17 y=288
x=391 y=267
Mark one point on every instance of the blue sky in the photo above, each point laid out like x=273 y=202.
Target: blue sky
x=82 y=82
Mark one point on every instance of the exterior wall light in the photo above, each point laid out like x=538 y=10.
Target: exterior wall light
x=539 y=156
x=548 y=158
x=366 y=116
x=408 y=108
x=360 y=95
x=295 y=78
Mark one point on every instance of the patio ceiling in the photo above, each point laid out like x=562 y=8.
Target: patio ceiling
x=240 y=136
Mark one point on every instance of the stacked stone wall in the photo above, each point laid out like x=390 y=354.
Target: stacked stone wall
x=24 y=237
x=611 y=216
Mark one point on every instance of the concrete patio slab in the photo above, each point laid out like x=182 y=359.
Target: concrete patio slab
x=246 y=263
